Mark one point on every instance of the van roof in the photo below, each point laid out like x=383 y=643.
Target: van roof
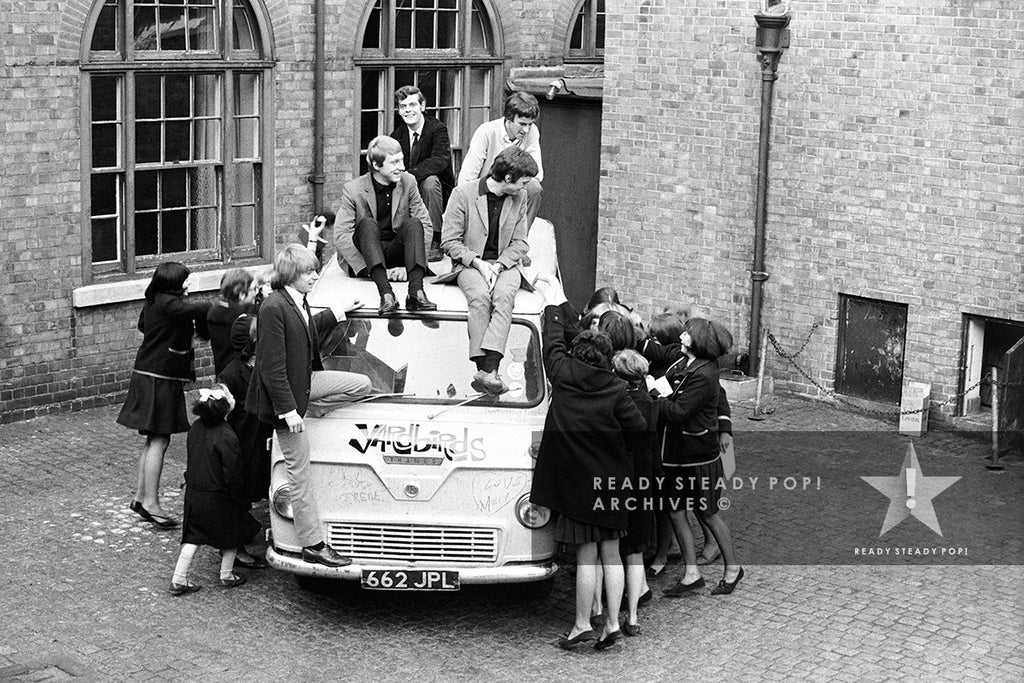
x=335 y=283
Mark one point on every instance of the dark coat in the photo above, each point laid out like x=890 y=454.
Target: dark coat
x=583 y=435
x=168 y=324
x=219 y=319
x=433 y=152
x=287 y=353
x=663 y=357
x=690 y=414
x=641 y=445
x=251 y=432
x=216 y=502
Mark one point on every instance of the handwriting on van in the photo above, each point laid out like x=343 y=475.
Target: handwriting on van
x=354 y=486
x=492 y=492
x=412 y=438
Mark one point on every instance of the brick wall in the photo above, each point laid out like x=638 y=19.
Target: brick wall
x=54 y=357
x=895 y=172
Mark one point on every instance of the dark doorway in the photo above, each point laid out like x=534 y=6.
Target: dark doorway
x=571 y=150
x=872 y=337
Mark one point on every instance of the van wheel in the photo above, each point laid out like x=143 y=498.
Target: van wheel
x=535 y=590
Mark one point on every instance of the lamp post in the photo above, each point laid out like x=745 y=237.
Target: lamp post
x=772 y=40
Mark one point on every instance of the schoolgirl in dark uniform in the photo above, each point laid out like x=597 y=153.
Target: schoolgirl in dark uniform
x=155 y=404
x=690 y=453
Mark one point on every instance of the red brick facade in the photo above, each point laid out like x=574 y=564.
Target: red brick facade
x=896 y=169
x=895 y=172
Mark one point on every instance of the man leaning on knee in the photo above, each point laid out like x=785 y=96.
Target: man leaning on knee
x=382 y=223
x=485 y=236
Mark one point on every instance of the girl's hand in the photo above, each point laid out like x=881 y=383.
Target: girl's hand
x=315 y=229
x=724 y=441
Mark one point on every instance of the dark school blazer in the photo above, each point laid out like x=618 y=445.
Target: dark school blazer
x=287 y=353
x=168 y=324
x=433 y=152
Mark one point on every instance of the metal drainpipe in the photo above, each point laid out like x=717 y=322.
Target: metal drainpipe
x=772 y=40
x=317 y=177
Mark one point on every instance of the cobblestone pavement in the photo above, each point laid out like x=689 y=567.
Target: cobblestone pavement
x=84 y=581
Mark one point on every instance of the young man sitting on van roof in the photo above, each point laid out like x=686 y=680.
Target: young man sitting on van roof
x=485 y=235
x=382 y=223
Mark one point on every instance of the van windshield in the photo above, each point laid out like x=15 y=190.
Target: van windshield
x=425 y=360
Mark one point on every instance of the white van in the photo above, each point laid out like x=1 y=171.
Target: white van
x=426 y=483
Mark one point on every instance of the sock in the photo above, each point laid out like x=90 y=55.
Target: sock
x=481 y=363
x=184 y=561
x=415 y=280
x=227 y=563
x=492 y=359
x=379 y=275
x=318 y=546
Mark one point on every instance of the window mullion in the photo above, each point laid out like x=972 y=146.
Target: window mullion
x=228 y=153
x=129 y=172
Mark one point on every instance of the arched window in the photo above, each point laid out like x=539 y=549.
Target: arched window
x=176 y=137
x=449 y=49
x=586 y=35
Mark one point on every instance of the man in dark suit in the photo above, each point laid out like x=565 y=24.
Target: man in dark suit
x=427 y=153
x=485 y=236
x=383 y=224
x=289 y=379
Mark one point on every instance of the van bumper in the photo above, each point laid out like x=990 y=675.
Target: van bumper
x=515 y=573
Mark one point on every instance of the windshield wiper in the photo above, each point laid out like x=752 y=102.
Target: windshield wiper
x=462 y=403
x=374 y=397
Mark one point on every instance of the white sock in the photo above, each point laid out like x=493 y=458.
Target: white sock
x=227 y=564
x=184 y=561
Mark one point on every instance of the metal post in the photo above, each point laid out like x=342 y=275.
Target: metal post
x=772 y=40
x=994 y=462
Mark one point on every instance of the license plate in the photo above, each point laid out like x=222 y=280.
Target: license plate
x=409 y=580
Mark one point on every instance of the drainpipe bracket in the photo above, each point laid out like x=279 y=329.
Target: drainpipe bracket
x=758 y=275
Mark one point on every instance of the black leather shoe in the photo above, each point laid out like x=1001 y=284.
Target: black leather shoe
x=726 y=588
x=683 y=588
x=419 y=302
x=327 y=556
x=388 y=304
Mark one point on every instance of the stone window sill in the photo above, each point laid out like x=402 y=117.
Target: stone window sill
x=121 y=291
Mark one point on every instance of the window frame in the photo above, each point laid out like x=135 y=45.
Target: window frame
x=124 y=62
x=389 y=59
x=589 y=53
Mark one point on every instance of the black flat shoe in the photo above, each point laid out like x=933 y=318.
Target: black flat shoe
x=683 y=588
x=419 y=302
x=183 y=588
x=631 y=630
x=724 y=587
x=654 y=573
x=162 y=521
x=645 y=598
x=235 y=580
x=608 y=640
x=705 y=560
x=256 y=563
x=567 y=643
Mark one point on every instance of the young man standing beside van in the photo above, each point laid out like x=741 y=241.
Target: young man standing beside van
x=485 y=236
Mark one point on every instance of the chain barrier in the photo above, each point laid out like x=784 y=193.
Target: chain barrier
x=791 y=359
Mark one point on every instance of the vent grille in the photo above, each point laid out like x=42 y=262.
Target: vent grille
x=413 y=542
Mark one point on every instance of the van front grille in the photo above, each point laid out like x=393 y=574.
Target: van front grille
x=413 y=542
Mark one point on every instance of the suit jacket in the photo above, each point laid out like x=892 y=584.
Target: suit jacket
x=433 y=152
x=464 y=234
x=358 y=200
x=287 y=353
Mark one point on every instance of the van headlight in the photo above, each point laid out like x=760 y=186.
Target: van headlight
x=282 y=501
x=531 y=516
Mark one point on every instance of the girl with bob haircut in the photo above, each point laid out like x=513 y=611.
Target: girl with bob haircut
x=236 y=295
x=690 y=451
x=583 y=443
x=155 y=404
x=216 y=502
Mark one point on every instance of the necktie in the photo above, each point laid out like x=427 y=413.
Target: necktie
x=413 y=150
x=305 y=307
